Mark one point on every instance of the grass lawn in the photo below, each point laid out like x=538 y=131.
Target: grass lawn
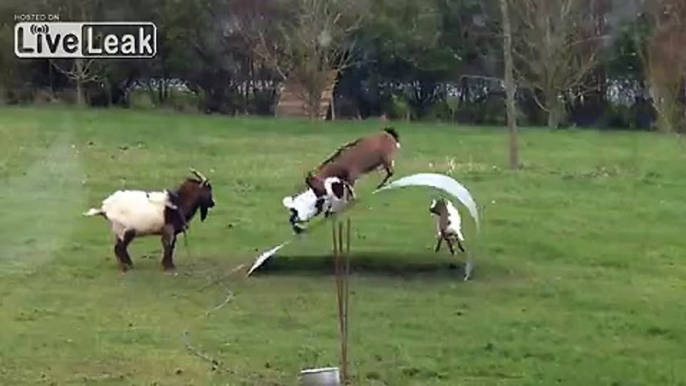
x=580 y=275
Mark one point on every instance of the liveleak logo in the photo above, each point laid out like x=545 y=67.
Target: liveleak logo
x=85 y=40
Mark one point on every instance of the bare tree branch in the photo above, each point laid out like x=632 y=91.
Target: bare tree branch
x=664 y=59
x=305 y=45
x=555 y=48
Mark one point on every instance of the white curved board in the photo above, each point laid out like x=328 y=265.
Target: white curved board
x=266 y=255
x=438 y=181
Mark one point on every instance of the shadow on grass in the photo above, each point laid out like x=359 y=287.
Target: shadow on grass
x=369 y=263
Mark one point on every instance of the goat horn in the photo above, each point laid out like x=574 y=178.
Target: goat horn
x=199 y=175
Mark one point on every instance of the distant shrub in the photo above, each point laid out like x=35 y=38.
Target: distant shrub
x=345 y=107
x=616 y=116
x=185 y=101
x=44 y=96
x=141 y=100
x=19 y=95
x=639 y=116
x=67 y=95
x=399 y=108
x=489 y=110
x=264 y=102
x=440 y=111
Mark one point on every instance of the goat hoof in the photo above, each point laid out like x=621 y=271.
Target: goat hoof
x=468 y=268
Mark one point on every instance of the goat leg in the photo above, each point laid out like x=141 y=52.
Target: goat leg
x=459 y=245
x=388 y=167
x=383 y=182
x=120 y=250
x=450 y=245
x=168 y=243
x=351 y=191
x=439 y=240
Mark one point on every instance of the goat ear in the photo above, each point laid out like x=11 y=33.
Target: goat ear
x=309 y=177
x=315 y=183
x=338 y=189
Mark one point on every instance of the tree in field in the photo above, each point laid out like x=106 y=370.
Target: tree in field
x=510 y=87
x=79 y=70
x=555 y=47
x=416 y=47
x=306 y=42
x=664 y=59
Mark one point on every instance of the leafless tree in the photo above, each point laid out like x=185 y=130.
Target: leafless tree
x=510 y=87
x=307 y=42
x=555 y=47
x=664 y=60
x=79 y=70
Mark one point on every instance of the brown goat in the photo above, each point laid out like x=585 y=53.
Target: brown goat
x=357 y=158
x=135 y=213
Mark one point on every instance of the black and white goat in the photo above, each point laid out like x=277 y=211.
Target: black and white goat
x=333 y=198
x=448 y=224
x=137 y=213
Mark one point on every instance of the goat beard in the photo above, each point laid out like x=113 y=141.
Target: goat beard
x=203 y=213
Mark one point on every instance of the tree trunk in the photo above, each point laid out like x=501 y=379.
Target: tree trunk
x=554 y=108
x=332 y=106
x=552 y=118
x=80 y=100
x=314 y=99
x=510 y=86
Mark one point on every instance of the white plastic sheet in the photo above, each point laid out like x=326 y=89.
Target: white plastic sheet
x=266 y=255
x=442 y=182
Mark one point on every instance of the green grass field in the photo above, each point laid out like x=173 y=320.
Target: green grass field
x=580 y=275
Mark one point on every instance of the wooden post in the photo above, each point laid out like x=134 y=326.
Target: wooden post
x=342 y=270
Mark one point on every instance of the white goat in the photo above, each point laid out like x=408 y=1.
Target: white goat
x=137 y=210
x=448 y=224
x=136 y=213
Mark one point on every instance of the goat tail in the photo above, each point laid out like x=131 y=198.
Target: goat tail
x=94 y=212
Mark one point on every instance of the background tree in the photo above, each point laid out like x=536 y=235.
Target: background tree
x=305 y=42
x=555 y=48
x=510 y=86
x=79 y=70
x=664 y=60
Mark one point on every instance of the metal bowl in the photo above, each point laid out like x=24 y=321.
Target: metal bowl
x=325 y=376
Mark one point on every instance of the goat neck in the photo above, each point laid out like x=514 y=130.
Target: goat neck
x=186 y=200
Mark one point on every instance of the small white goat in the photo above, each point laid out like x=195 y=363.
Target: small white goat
x=136 y=213
x=448 y=224
x=308 y=204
